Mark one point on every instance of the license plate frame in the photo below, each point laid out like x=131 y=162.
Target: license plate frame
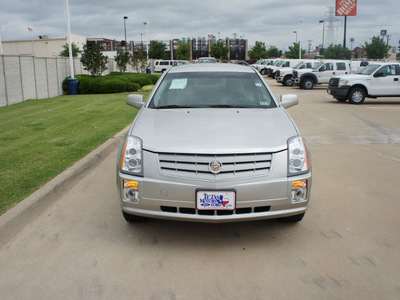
x=215 y=199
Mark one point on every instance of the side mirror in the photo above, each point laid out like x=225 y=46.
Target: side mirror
x=136 y=101
x=379 y=74
x=289 y=100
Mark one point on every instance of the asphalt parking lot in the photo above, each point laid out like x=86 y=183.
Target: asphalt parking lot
x=346 y=247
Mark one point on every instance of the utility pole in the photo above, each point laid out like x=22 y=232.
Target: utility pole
x=309 y=47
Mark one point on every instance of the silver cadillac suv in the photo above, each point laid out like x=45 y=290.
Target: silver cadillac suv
x=212 y=144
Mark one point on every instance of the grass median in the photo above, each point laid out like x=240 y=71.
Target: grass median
x=40 y=139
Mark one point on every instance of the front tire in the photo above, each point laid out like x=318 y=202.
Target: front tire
x=288 y=81
x=356 y=96
x=308 y=84
x=293 y=219
x=263 y=72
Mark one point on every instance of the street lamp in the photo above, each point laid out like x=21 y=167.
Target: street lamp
x=126 y=47
x=296 y=35
x=146 y=24
x=323 y=35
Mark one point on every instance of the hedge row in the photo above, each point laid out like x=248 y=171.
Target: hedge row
x=114 y=82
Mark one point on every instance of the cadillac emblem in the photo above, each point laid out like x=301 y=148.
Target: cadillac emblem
x=215 y=166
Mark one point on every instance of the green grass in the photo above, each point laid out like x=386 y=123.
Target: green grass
x=39 y=139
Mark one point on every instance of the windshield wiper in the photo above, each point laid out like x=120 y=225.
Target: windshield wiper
x=173 y=106
x=228 y=106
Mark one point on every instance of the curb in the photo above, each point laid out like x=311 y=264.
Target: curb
x=18 y=217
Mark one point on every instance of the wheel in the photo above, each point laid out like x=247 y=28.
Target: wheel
x=132 y=218
x=293 y=219
x=307 y=84
x=263 y=72
x=356 y=95
x=288 y=81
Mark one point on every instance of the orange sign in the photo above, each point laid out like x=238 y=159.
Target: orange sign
x=346 y=7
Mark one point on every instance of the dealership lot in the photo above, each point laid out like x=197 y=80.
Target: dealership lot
x=346 y=247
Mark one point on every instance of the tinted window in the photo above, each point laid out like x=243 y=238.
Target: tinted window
x=208 y=89
x=341 y=66
x=164 y=63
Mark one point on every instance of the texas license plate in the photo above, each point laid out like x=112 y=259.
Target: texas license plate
x=216 y=200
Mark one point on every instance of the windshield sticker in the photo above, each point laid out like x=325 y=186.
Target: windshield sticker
x=178 y=84
x=264 y=103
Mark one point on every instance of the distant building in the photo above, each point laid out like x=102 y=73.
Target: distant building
x=44 y=46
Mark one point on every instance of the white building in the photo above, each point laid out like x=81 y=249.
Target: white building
x=42 y=47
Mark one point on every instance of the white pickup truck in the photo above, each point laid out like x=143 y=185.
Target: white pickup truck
x=285 y=75
x=376 y=80
x=322 y=74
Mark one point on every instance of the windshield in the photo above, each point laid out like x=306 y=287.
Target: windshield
x=279 y=63
x=317 y=64
x=207 y=60
x=298 y=65
x=369 y=70
x=212 y=89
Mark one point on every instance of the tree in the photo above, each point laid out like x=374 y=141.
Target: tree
x=93 y=60
x=219 y=50
x=337 y=52
x=183 y=51
x=377 y=49
x=274 y=52
x=139 y=61
x=294 y=51
x=65 y=52
x=157 y=50
x=258 y=51
x=122 y=59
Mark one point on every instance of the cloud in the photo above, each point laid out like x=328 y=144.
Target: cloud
x=269 y=21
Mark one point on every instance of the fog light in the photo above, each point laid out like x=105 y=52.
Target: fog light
x=299 y=191
x=131 y=191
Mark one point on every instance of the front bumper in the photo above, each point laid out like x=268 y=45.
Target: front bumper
x=262 y=197
x=338 y=91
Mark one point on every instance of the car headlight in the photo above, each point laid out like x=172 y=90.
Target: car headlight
x=298 y=161
x=343 y=82
x=132 y=156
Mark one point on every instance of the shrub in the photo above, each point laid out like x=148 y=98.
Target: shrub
x=115 y=82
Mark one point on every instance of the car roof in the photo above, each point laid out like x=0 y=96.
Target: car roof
x=212 y=67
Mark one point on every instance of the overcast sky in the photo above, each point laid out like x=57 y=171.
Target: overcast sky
x=268 y=21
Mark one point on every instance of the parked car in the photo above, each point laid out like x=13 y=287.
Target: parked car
x=321 y=74
x=285 y=75
x=212 y=144
x=376 y=80
x=203 y=60
x=160 y=66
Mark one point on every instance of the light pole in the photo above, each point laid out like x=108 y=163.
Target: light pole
x=299 y=22
x=323 y=35
x=295 y=31
x=126 y=46
x=146 y=24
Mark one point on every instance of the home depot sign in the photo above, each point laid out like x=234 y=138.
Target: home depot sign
x=346 y=7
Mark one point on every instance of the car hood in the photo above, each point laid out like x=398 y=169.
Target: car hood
x=210 y=130
x=354 y=77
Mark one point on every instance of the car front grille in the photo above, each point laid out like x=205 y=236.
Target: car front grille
x=197 y=166
x=334 y=82
x=193 y=211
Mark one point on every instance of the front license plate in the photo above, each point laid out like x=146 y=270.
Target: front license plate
x=216 y=200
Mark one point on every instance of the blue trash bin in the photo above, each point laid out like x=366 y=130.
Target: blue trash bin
x=148 y=71
x=73 y=86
